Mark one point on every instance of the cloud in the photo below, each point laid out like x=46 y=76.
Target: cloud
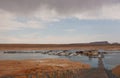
x=19 y=6
x=52 y=39
x=9 y=22
x=42 y=40
x=58 y=9
x=70 y=30
x=37 y=14
x=109 y=12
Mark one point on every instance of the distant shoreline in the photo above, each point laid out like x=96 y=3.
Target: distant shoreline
x=59 y=46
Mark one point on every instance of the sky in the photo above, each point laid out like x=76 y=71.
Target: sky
x=59 y=21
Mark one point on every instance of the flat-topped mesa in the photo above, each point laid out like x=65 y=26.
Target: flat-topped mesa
x=100 y=42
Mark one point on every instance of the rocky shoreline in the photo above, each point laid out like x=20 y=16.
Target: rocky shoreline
x=75 y=52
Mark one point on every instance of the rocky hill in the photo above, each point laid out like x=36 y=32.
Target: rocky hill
x=100 y=42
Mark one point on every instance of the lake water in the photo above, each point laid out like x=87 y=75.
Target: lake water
x=110 y=60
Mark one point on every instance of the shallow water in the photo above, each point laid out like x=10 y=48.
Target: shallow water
x=110 y=60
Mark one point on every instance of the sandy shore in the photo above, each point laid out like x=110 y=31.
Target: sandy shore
x=116 y=71
x=13 y=67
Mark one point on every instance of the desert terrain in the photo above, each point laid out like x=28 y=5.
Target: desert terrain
x=16 y=67
x=116 y=71
x=59 y=46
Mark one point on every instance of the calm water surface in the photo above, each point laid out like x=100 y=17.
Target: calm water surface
x=110 y=60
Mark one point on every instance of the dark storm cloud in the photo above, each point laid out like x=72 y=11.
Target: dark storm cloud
x=60 y=6
x=70 y=6
x=19 y=6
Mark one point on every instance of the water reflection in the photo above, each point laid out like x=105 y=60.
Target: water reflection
x=110 y=60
